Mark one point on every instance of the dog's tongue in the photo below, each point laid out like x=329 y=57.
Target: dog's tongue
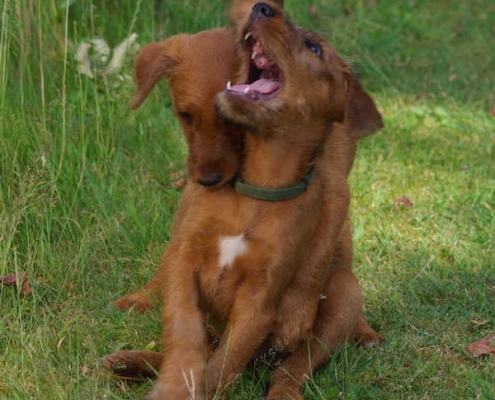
x=264 y=86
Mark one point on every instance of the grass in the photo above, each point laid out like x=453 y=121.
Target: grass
x=86 y=199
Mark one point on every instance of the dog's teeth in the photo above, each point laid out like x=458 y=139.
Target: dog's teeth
x=229 y=85
x=246 y=91
x=248 y=35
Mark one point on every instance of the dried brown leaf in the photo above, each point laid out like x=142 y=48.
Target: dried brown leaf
x=19 y=279
x=381 y=380
x=481 y=348
x=8 y=279
x=403 y=202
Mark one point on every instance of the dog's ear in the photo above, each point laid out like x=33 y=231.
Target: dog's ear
x=361 y=113
x=154 y=61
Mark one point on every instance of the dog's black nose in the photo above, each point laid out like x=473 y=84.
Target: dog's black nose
x=262 y=10
x=211 y=180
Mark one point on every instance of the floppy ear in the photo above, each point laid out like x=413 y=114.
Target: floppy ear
x=153 y=62
x=361 y=114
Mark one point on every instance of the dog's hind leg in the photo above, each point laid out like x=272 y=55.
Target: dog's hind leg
x=363 y=333
x=144 y=299
x=338 y=315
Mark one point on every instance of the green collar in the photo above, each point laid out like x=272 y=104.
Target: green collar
x=271 y=194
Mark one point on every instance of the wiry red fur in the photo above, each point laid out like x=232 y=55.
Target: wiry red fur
x=293 y=286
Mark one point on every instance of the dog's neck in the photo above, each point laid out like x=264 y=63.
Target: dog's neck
x=271 y=163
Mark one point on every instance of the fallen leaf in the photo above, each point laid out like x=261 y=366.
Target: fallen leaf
x=492 y=111
x=481 y=348
x=381 y=380
x=20 y=279
x=403 y=201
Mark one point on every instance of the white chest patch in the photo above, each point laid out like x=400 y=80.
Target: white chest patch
x=230 y=248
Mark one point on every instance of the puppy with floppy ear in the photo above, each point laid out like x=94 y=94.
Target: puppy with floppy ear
x=304 y=109
x=196 y=67
x=185 y=60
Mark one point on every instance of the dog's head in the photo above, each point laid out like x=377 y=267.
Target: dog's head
x=197 y=68
x=292 y=75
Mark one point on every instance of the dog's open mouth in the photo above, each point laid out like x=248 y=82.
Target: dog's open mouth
x=264 y=80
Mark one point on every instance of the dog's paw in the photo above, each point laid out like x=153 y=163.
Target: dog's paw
x=122 y=364
x=287 y=340
x=139 y=301
x=133 y=365
x=369 y=339
x=292 y=330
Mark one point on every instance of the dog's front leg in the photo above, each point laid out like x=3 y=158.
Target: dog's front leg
x=182 y=373
x=250 y=322
x=299 y=304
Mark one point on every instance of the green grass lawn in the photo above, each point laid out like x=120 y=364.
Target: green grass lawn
x=86 y=196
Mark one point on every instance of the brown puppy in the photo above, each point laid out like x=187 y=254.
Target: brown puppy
x=339 y=315
x=196 y=73
x=304 y=109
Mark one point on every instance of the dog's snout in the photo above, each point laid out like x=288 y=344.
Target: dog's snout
x=210 y=180
x=263 y=10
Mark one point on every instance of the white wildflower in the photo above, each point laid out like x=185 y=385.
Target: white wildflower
x=92 y=56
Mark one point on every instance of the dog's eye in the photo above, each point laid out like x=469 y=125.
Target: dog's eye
x=186 y=117
x=313 y=47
